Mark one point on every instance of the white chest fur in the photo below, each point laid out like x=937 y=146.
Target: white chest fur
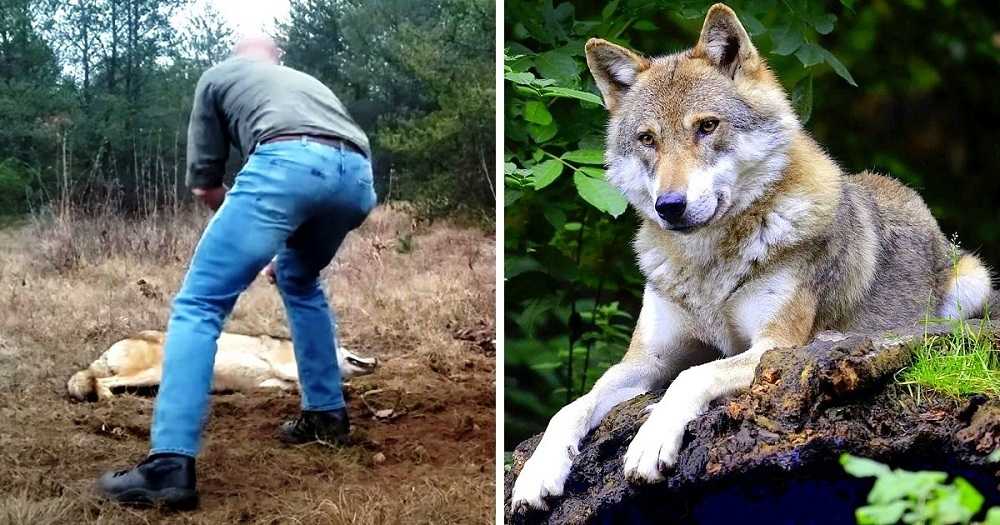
x=726 y=301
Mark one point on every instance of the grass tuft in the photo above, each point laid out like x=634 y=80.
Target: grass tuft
x=963 y=362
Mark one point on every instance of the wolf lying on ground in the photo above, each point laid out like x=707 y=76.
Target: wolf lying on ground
x=751 y=239
x=242 y=363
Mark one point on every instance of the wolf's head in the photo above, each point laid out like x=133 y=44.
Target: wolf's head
x=695 y=135
x=352 y=365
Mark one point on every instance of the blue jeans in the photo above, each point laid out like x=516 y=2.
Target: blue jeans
x=293 y=199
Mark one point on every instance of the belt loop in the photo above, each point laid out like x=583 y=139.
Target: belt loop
x=304 y=140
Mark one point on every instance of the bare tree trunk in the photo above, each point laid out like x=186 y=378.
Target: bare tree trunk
x=486 y=171
x=64 y=199
x=113 y=59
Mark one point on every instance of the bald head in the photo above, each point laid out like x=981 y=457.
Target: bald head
x=261 y=48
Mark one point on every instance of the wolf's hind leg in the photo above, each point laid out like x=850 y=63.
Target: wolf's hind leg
x=280 y=384
x=285 y=371
x=147 y=377
x=968 y=289
x=660 y=349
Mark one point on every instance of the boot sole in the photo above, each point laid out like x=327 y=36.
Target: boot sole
x=306 y=441
x=173 y=498
x=289 y=438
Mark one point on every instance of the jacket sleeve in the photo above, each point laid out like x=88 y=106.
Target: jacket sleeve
x=207 y=142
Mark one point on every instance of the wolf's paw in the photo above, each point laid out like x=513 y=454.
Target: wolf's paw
x=543 y=476
x=104 y=392
x=654 y=448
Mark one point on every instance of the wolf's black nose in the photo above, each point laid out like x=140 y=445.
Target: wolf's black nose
x=670 y=206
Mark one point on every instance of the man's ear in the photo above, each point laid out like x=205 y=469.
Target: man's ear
x=615 y=69
x=725 y=43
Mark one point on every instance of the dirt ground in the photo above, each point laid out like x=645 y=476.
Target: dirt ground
x=418 y=297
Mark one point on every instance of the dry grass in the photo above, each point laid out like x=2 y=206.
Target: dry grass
x=421 y=298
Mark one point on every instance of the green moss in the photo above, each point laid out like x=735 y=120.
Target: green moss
x=963 y=362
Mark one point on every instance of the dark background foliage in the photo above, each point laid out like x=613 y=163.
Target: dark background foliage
x=95 y=96
x=905 y=88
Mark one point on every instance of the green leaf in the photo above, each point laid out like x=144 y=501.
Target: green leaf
x=786 y=40
x=525 y=78
x=824 y=23
x=970 y=498
x=546 y=173
x=754 y=26
x=862 y=467
x=585 y=156
x=992 y=516
x=838 y=67
x=901 y=484
x=609 y=10
x=536 y=112
x=691 y=13
x=511 y=196
x=644 y=25
x=600 y=194
x=809 y=54
x=555 y=216
x=802 y=98
x=597 y=173
x=521 y=64
x=515 y=265
x=557 y=64
x=572 y=93
x=889 y=514
x=542 y=134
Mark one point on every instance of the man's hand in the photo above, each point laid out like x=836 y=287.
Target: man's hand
x=212 y=197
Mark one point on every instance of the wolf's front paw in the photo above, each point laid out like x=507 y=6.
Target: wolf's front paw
x=654 y=448
x=543 y=476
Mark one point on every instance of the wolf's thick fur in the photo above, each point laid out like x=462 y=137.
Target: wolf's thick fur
x=751 y=239
x=242 y=363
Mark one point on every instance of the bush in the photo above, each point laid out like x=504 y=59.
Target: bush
x=15 y=187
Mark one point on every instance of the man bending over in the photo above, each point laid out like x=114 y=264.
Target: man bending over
x=307 y=182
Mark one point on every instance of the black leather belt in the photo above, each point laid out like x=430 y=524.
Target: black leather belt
x=327 y=141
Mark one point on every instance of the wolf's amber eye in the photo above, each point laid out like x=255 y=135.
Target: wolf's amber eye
x=646 y=139
x=707 y=126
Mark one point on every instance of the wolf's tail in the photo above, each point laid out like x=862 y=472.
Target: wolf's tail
x=83 y=385
x=968 y=289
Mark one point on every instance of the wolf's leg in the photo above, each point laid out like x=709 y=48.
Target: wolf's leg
x=968 y=289
x=286 y=371
x=277 y=383
x=655 y=447
x=660 y=349
x=147 y=377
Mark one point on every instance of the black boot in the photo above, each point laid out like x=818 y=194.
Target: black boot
x=161 y=479
x=330 y=426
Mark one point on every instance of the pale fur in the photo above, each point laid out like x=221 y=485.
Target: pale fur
x=242 y=363
x=967 y=287
x=778 y=245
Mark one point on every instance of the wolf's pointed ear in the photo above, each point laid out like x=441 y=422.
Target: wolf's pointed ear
x=615 y=69
x=725 y=43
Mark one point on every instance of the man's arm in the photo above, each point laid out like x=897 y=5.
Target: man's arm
x=207 y=145
x=212 y=197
